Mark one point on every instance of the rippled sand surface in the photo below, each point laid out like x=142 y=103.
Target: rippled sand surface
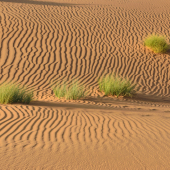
x=48 y=41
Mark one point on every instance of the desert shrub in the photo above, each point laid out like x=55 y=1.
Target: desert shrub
x=75 y=91
x=112 y=85
x=11 y=93
x=157 y=43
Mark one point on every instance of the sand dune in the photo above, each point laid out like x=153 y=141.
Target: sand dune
x=77 y=133
x=44 y=41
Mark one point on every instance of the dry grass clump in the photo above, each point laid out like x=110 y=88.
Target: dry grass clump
x=157 y=43
x=75 y=91
x=11 y=93
x=112 y=85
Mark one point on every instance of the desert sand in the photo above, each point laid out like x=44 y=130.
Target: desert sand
x=44 y=41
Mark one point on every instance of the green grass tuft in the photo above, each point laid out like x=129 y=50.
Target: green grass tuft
x=157 y=43
x=112 y=85
x=59 y=90
x=74 y=92
x=11 y=93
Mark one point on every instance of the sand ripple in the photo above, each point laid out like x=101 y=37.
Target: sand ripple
x=43 y=43
x=69 y=132
x=34 y=126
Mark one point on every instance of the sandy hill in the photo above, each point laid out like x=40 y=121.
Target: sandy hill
x=48 y=41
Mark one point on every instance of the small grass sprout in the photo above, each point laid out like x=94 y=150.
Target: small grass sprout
x=112 y=85
x=74 y=92
x=12 y=93
x=157 y=43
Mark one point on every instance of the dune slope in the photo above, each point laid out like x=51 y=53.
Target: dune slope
x=49 y=41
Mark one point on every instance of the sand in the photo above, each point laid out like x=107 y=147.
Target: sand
x=44 y=41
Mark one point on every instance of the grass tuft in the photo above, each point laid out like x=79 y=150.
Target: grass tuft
x=112 y=85
x=157 y=43
x=11 y=93
x=74 y=92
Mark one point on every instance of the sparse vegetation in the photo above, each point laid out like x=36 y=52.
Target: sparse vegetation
x=112 y=85
x=75 y=91
x=11 y=93
x=157 y=43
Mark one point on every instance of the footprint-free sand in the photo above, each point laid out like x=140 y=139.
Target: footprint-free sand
x=44 y=41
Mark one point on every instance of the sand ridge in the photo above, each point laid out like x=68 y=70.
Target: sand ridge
x=44 y=41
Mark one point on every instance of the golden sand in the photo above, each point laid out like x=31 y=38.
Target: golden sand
x=52 y=40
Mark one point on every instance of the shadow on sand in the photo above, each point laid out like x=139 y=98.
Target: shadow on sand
x=41 y=2
x=75 y=106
